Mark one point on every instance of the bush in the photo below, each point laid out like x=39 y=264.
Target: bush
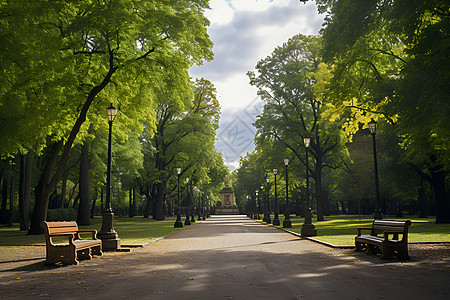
x=62 y=214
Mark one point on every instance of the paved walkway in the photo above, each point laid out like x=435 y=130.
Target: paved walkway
x=230 y=257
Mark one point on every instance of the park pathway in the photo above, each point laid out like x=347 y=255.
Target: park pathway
x=231 y=257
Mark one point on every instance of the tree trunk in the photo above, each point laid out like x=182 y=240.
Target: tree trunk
x=4 y=194
x=11 y=197
x=94 y=201
x=62 y=197
x=22 y=209
x=318 y=187
x=442 y=206
x=84 y=206
x=158 y=213
x=130 y=204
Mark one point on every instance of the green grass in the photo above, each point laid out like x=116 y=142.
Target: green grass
x=131 y=231
x=340 y=230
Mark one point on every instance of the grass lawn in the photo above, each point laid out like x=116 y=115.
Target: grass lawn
x=340 y=230
x=132 y=231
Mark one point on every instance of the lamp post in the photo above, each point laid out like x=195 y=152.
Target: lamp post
x=178 y=222
x=267 y=207
x=373 y=130
x=287 y=218
x=276 y=221
x=261 y=201
x=308 y=228
x=110 y=238
x=257 y=202
x=187 y=221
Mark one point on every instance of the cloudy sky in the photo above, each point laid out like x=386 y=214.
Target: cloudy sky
x=244 y=32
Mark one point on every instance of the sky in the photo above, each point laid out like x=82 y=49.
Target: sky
x=244 y=32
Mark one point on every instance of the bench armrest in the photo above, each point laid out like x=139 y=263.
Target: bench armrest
x=395 y=232
x=94 y=233
x=358 y=230
x=71 y=237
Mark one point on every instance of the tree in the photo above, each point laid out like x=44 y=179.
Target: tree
x=293 y=107
x=392 y=58
x=183 y=137
x=82 y=46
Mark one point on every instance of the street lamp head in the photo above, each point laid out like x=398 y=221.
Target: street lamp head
x=307 y=141
x=286 y=161
x=187 y=179
x=372 y=126
x=111 y=111
x=178 y=171
x=262 y=187
x=268 y=180
x=275 y=171
x=256 y=192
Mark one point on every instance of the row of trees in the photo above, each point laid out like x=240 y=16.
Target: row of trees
x=381 y=60
x=61 y=69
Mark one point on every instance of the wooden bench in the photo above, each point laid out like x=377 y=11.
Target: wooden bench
x=389 y=242
x=75 y=248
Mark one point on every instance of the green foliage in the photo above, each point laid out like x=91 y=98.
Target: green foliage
x=62 y=214
x=392 y=62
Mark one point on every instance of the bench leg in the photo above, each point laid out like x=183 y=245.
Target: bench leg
x=371 y=249
x=358 y=246
x=97 y=250
x=84 y=254
x=69 y=256
x=386 y=252
x=403 y=253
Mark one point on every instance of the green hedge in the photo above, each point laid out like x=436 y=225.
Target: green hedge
x=62 y=214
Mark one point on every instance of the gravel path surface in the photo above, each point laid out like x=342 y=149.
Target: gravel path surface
x=232 y=257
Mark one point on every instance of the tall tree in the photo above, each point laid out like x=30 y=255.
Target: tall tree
x=293 y=109
x=73 y=51
x=392 y=59
x=180 y=135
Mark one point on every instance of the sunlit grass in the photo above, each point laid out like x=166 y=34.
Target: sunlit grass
x=340 y=230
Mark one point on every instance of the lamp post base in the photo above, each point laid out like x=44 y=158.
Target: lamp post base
x=276 y=221
x=187 y=221
x=308 y=228
x=267 y=218
x=287 y=224
x=287 y=220
x=178 y=222
x=110 y=238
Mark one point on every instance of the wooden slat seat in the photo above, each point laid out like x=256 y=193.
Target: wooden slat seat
x=74 y=248
x=384 y=236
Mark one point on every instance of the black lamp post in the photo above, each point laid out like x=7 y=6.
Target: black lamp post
x=308 y=228
x=257 y=202
x=192 y=204
x=267 y=206
x=187 y=221
x=110 y=238
x=287 y=218
x=276 y=221
x=178 y=222
x=373 y=130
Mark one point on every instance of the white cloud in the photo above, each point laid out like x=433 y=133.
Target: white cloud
x=244 y=32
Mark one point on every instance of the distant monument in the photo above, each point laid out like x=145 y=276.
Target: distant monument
x=227 y=198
